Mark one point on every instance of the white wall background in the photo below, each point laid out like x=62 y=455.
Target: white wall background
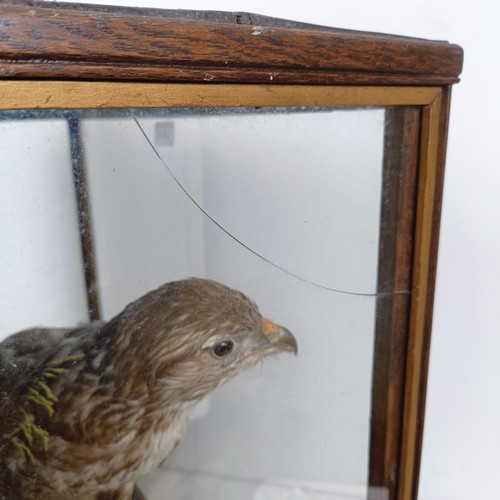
x=462 y=436
x=36 y=262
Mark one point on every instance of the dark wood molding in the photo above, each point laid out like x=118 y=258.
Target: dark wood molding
x=397 y=228
x=431 y=282
x=84 y=216
x=61 y=41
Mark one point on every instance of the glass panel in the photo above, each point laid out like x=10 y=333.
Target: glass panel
x=40 y=244
x=282 y=204
x=302 y=191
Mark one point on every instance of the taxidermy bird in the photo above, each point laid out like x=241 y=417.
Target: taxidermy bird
x=86 y=411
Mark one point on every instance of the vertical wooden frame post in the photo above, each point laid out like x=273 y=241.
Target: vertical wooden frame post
x=84 y=216
x=397 y=229
x=430 y=184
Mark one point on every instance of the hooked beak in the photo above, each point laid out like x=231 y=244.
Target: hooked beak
x=280 y=337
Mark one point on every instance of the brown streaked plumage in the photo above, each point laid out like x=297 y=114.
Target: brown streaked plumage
x=85 y=412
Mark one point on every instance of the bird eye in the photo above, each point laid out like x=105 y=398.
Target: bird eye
x=223 y=348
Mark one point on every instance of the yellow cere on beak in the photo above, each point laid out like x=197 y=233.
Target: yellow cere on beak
x=279 y=336
x=269 y=328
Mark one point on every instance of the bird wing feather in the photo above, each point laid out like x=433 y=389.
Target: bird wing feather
x=22 y=355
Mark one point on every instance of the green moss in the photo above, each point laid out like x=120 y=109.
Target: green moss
x=23 y=449
x=42 y=401
x=30 y=429
x=42 y=395
x=48 y=391
x=65 y=359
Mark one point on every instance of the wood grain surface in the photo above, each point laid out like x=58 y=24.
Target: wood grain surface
x=50 y=94
x=45 y=40
x=397 y=229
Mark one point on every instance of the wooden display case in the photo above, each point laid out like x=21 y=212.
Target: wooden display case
x=65 y=57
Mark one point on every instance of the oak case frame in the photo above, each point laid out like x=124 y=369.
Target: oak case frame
x=396 y=434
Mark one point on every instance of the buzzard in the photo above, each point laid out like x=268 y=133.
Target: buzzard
x=86 y=411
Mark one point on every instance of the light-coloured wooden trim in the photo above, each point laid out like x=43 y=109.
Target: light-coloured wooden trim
x=424 y=219
x=22 y=94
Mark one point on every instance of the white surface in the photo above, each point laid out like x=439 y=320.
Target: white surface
x=296 y=188
x=177 y=485
x=145 y=231
x=41 y=282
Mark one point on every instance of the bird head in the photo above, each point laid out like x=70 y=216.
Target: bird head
x=187 y=337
